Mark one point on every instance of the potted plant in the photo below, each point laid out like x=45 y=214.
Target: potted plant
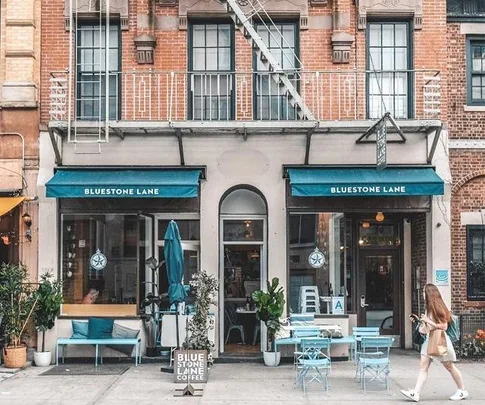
x=49 y=300
x=17 y=305
x=270 y=305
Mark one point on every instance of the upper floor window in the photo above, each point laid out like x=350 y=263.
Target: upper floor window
x=282 y=41
x=475 y=72
x=91 y=71
x=465 y=8
x=475 y=262
x=211 y=66
x=389 y=79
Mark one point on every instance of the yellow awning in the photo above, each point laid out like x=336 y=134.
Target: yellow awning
x=7 y=204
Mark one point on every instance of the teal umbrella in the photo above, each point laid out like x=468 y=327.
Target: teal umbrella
x=174 y=262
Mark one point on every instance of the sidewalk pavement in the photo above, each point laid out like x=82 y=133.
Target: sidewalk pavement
x=238 y=384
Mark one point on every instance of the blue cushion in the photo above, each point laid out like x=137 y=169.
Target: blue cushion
x=79 y=330
x=100 y=328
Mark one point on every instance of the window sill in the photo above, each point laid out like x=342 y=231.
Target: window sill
x=474 y=108
x=98 y=310
x=475 y=304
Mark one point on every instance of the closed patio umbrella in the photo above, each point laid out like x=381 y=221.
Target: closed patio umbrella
x=174 y=262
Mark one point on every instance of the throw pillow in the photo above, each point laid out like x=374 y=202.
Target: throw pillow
x=100 y=328
x=79 y=330
x=122 y=332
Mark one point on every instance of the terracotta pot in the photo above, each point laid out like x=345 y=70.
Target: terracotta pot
x=15 y=357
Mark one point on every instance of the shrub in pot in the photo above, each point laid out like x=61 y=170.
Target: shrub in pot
x=270 y=305
x=16 y=305
x=49 y=300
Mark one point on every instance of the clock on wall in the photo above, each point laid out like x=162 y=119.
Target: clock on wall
x=316 y=259
x=98 y=261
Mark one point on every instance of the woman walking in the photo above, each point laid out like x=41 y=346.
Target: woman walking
x=437 y=316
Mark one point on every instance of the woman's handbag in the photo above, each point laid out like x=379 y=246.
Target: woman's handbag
x=437 y=343
x=418 y=337
x=453 y=330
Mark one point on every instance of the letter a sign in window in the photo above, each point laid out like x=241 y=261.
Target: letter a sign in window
x=381 y=145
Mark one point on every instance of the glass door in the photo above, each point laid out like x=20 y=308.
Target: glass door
x=379 y=290
x=242 y=272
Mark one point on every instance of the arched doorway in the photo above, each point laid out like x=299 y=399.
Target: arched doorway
x=243 y=268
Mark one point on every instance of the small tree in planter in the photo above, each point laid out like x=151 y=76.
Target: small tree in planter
x=49 y=300
x=270 y=305
x=17 y=305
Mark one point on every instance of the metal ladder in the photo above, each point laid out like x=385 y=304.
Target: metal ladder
x=244 y=23
x=97 y=133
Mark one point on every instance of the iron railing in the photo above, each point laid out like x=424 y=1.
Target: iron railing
x=151 y=95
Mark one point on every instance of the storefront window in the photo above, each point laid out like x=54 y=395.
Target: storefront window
x=331 y=234
x=99 y=264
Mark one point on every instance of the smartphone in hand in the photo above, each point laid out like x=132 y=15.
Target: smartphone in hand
x=414 y=318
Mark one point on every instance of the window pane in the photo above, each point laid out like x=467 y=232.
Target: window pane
x=225 y=59
x=211 y=35
x=189 y=229
x=387 y=59
x=375 y=35
x=198 y=36
x=375 y=59
x=289 y=36
x=401 y=58
x=401 y=33
x=199 y=58
x=251 y=230
x=476 y=93
x=211 y=59
x=224 y=35
x=388 y=35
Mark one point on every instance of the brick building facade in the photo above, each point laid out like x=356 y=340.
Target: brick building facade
x=210 y=106
x=466 y=113
x=19 y=130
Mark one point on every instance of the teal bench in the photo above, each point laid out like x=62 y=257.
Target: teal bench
x=64 y=342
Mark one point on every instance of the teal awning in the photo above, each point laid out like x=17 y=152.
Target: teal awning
x=124 y=183
x=357 y=182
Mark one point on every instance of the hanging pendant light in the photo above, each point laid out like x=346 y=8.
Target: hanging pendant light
x=380 y=216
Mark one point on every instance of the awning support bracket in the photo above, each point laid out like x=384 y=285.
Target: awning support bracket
x=364 y=138
x=437 y=135
x=178 y=133
x=308 y=145
x=55 y=146
x=118 y=132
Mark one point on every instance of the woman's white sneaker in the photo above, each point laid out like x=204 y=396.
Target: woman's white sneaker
x=459 y=395
x=411 y=394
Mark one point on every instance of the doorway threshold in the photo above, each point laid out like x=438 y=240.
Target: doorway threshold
x=226 y=358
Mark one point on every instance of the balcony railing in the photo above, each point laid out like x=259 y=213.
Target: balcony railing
x=244 y=96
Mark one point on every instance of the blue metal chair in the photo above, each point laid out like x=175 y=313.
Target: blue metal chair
x=315 y=364
x=359 y=332
x=374 y=360
x=301 y=319
x=299 y=335
x=230 y=320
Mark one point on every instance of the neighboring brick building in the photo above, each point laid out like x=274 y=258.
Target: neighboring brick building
x=466 y=123
x=256 y=141
x=19 y=130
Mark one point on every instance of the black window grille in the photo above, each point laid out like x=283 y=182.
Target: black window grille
x=475 y=262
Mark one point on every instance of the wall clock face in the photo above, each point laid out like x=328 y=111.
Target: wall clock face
x=316 y=259
x=98 y=261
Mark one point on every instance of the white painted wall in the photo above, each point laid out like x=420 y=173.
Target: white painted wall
x=230 y=162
